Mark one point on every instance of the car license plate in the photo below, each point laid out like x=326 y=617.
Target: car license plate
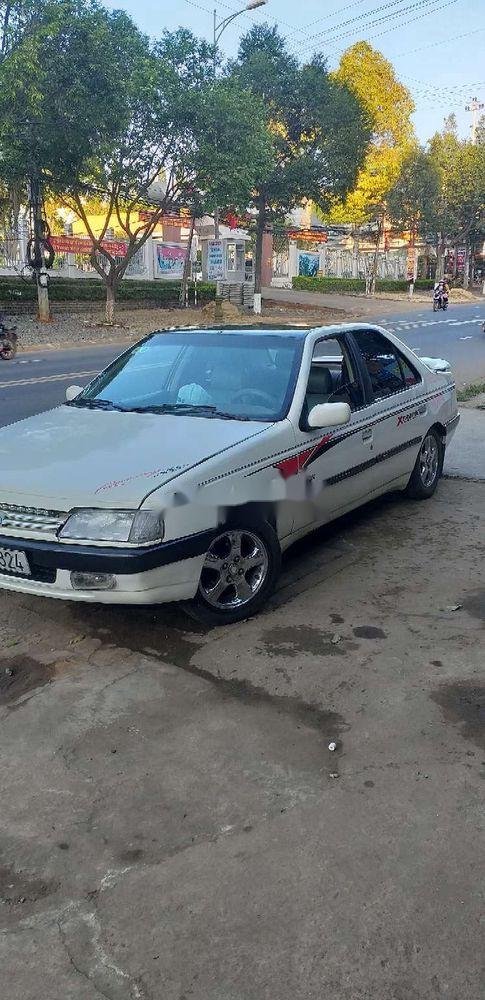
x=14 y=561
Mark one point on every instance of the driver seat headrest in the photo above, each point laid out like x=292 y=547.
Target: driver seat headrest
x=320 y=382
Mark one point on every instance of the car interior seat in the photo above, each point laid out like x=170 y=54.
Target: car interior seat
x=320 y=386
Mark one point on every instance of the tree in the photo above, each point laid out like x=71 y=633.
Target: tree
x=17 y=18
x=412 y=201
x=319 y=131
x=147 y=146
x=460 y=166
x=389 y=106
x=55 y=70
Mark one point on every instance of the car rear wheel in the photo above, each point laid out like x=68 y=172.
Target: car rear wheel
x=239 y=574
x=428 y=467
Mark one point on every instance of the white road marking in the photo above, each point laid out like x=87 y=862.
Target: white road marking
x=46 y=378
x=466 y=338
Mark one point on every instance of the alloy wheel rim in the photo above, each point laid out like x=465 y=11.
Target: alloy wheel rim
x=235 y=568
x=428 y=461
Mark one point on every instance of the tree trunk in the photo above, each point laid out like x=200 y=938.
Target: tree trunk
x=110 y=301
x=380 y=227
x=44 y=311
x=185 y=277
x=466 y=266
x=258 y=254
x=355 y=253
x=440 y=259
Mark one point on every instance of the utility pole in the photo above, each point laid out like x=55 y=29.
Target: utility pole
x=217 y=30
x=37 y=258
x=474 y=107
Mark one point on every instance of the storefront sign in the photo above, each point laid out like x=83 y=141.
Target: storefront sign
x=412 y=263
x=170 y=260
x=460 y=259
x=215 y=260
x=308 y=264
x=308 y=235
x=83 y=245
x=164 y=220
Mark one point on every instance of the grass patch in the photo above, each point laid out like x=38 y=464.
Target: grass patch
x=469 y=391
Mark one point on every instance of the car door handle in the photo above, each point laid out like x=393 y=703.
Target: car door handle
x=367 y=434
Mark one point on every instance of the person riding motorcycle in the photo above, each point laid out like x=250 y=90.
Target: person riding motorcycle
x=441 y=292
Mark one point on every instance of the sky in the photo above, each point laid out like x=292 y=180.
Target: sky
x=436 y=46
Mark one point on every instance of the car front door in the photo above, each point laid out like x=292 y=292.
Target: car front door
x=337 y=462
x=397 y=415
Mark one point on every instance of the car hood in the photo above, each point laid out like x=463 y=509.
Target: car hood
x=71 y=457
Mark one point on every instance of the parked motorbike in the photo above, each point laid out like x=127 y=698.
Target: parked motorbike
x=440 y=301
x=8 y=340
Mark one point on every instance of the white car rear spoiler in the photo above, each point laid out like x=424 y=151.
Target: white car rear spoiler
x=436 y=364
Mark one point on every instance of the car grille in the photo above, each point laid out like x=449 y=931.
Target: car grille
x=33 y=519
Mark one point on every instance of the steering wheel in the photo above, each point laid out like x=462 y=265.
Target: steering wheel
x=257 y=394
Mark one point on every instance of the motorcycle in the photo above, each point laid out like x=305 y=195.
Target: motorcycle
x=440 y=301
x=8 y=340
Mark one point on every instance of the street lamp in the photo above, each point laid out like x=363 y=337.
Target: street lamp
x=218 y=29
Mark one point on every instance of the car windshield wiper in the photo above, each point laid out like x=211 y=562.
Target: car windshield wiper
x=188 y=409
x=94 y=404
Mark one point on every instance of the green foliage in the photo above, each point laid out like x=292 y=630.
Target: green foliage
x=356 y=285
x=319 y=131
x=17 y=19
x=412 y=201
x=106 y=115
x=91 y=290
x=460 y=206
x=61 y=91
x=470 y=391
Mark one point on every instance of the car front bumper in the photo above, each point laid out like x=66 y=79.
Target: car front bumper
x=155 y=574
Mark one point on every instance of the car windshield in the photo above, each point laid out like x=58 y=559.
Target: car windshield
x=231 y=375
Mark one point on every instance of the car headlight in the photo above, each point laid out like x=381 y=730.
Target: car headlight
x=138 y=527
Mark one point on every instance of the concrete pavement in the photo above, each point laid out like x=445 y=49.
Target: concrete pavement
x=465 y=455
x=173 y=823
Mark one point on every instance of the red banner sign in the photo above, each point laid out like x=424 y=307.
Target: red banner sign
x=165 y=220
x=83 y=245
x=309 y=235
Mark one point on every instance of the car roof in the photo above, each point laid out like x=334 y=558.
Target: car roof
x=293 y=330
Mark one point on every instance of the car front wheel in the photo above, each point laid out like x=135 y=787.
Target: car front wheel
x=428 y=467
x=238 y=575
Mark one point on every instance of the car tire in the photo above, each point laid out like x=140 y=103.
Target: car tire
x=428 y=467
x=239 y=574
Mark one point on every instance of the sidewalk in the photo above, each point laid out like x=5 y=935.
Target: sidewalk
x=354 y=305
x=174 y=822
x=465 y=456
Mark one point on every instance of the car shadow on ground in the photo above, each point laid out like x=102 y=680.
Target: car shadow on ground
x=168 y=631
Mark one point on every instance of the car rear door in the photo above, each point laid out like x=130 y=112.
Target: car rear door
x=397 y=412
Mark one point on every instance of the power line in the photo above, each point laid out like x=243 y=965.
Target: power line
x=385 y=17
x=333 y=13
x=367 y=14
x=402 y=24
x=442 y=41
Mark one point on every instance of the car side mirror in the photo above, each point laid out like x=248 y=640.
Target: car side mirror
x=329 y=415
x=72 y=391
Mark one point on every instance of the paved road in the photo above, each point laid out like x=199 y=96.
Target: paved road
x=457 y=336
x=37 y=380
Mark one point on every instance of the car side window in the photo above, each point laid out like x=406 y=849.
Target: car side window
x=389 y=371
x=332 y=378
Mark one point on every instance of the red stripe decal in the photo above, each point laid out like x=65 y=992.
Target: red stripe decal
x=291 y=466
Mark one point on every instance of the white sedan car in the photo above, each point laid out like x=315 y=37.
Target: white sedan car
x=186 y=468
